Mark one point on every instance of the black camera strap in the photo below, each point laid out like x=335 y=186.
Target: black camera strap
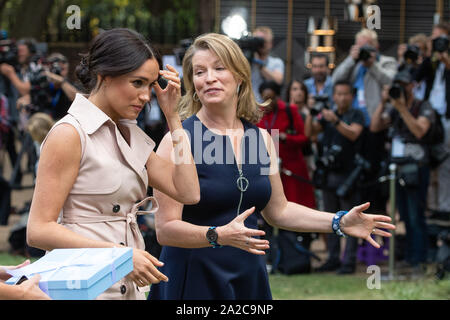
x=290 y=117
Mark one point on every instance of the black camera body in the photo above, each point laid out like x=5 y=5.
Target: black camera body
x=396 y=91
x=404 y=75
x=412 y=53
x=8 y=53
x=349 y=184
x=180 y=51
x=321 y=102
x=40 y=90
x=440 y=44
x=327 y=162
x=55 y=68
x=365 y=52
x=250 y=45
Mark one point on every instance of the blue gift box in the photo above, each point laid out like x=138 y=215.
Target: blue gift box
x=78 y=274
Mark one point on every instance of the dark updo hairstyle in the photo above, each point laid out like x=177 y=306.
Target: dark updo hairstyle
x=114 y=53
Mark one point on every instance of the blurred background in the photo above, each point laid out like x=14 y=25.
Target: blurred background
x=300 y=31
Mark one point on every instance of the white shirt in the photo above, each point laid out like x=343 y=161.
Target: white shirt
x=437 y=95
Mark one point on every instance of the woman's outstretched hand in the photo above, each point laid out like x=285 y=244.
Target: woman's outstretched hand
x=361 y=225
x=236 y=234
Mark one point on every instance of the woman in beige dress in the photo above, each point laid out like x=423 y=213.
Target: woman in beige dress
x=96 y=164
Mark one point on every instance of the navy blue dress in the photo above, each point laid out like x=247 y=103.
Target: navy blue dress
x=226 y=272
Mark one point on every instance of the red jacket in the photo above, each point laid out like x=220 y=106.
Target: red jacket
x=290 y=152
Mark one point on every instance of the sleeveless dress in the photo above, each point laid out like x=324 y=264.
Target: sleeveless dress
x=226 y=272
x=111 y=184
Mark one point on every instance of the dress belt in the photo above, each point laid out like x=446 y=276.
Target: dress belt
x=133 y=234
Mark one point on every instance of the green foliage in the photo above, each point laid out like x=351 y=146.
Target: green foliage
x=162 y=21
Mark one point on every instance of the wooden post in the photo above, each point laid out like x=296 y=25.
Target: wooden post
x=402 y=21
x=440 y=9
x=253 y=16
x=217 y=17
x=289 y=42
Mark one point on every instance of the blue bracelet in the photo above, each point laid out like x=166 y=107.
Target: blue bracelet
x=336 y=223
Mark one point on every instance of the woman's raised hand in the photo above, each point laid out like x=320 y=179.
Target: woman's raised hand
x=169 y=96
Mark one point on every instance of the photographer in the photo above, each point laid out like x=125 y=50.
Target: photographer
x=61 y=90
x=26 y=48
x=435 y=71
x=264 y=66
x=284 y=118
x=414 y=54
x=367 y=70
x=410 y=120
x=14 y=81
x=341 y=129
x=320 y=83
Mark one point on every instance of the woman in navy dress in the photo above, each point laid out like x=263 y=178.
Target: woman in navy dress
x=213 y=250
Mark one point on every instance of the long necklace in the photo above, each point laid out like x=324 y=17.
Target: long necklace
x=242 y=182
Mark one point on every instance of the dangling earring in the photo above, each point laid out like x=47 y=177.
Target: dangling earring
x=195 y=97
x=238 y=88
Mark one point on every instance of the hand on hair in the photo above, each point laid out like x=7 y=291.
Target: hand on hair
x=169 y=96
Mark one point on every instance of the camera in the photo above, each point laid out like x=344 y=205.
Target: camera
x=361 y=166
x=321 y=102
x=55 y=68
x=40 y=90
x=8 y=52
x=328 y=161
x=411 y=54
x=365 y=52
x=404 y=75
x=396 y=91
x=440 y=44
x=250 y=45
x=180 y=51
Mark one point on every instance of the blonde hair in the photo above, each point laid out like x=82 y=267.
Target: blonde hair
x=421 y=39
x=234 y=60
x=369 y=34
x=265 y=30
x=39 y=125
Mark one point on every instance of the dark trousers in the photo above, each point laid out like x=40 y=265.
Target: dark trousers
x=5 y=201
x=333 y=203
x=411 y=203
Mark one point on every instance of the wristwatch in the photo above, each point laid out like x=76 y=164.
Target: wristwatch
x=212 y=236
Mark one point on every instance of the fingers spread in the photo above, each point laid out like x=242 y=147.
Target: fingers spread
x=385 y=225
x=363 y=206
x=382 y=233
x=372 y=242
x=244 y=215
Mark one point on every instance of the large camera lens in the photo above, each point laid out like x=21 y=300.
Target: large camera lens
x=395 y=91
x=411 y=54
x=440 y=44
x=365 y=52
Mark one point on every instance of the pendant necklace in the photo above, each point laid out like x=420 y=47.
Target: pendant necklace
x=242 y=182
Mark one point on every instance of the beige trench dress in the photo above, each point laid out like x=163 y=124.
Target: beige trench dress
x=111 y=183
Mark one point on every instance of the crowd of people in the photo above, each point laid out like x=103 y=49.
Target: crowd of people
x=340 y=129
x=328 y=138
